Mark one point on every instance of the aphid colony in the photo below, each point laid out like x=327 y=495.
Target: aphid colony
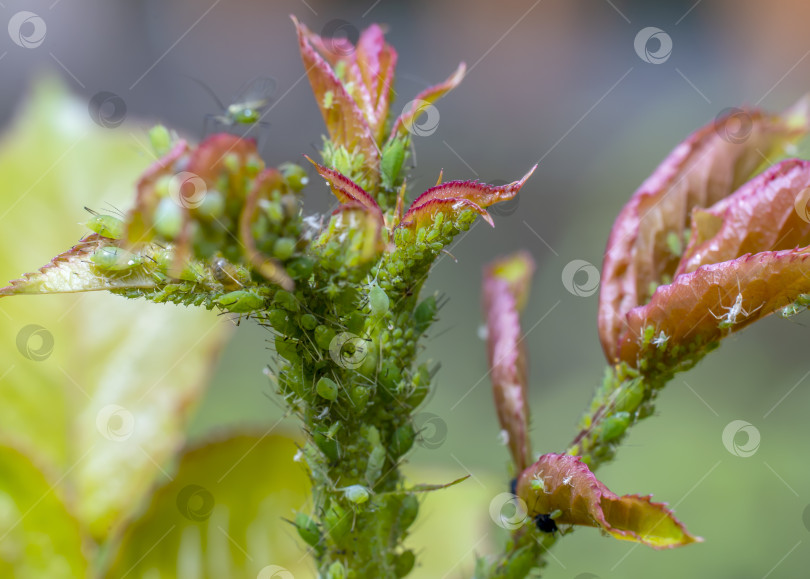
x=231 y=283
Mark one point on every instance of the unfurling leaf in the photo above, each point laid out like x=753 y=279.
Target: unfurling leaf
x=506 y=286
x=760 y=216
x=642 y=251
x=563 y=487
x=699 y=308
x=347 y=125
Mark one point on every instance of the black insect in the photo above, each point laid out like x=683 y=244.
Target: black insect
x=545 y=523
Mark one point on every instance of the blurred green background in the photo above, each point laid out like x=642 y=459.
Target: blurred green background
x=559 y=82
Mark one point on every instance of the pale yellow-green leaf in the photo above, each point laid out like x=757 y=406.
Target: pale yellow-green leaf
x=222 y=515
x=38 y=536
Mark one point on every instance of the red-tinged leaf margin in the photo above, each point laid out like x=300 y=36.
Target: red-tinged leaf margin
x=416 y=218
x=563 y=483
x=72 y=272
x=346 y=124
x=346 y=190
x=430 y=95
x=693 y=310
x=270 y=268
x=456 y=196
x=708 y=166
x=760 y=216
x=506 y=283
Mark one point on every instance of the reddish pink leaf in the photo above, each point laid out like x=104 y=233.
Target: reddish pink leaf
x=456 y=196
x=223 y=152
x=347 y=125
x=506 y=284
x=708 y=166
x=425 y=98
x=376 y=61
x=704 y=306
x=346 y=190
x=367 y=72
x=761 y=216
x=564 y=485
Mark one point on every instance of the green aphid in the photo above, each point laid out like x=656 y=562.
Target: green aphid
x=161 y=140
x=393 y=155
x=284 y=247
x=327 y=389
x=328 y=99
x=408 y=510
x=614 y=426
x=425 y=313
x=241 y=301
x=249 y=103
x=404 y=562
x=307 y=529
x=357 y=494
x=336 y=571
x=116 y=260
x=403 y=439
x=193 y=271
x=336 y=522
x=105 y=225
x=674 y=244
x=378 y=301
x=168 y=218
x=294 y=175
x=376 y=462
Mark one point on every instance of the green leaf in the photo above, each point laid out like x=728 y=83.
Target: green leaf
x=39 y=537
x=222 y=515
x=95 y=388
